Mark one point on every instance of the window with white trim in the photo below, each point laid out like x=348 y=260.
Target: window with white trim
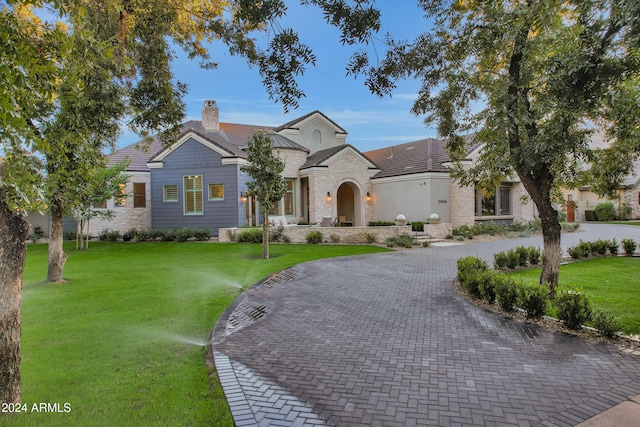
x=216 y=191
x=193 y=195
x=170 y=193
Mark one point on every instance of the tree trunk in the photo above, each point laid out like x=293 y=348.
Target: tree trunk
x=13 y=235
x=540 y=192
x=57 y=257
x=265 y=236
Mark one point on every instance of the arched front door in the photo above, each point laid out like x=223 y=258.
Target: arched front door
x=348 y=210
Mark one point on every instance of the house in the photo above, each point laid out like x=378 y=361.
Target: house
x=197 y=181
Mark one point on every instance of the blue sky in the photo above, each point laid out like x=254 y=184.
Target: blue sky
x=371 y=122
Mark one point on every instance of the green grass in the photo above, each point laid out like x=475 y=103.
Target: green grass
x=114 y=341
x=611 y=284
x=636 y=223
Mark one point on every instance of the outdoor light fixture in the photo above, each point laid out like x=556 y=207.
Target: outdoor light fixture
x=243 y=196
x=328 y=196
x=368 y=197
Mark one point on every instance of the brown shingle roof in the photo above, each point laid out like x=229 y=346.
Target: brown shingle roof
x=318 y=157
x=293 y=123
x=410 y=158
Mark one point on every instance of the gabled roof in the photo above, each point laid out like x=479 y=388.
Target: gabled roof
x=425 y=155
x=296 y=123
x=320 y=158
x=231 y=137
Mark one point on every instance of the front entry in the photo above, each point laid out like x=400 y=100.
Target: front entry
x=571 y=209
x=346 y=205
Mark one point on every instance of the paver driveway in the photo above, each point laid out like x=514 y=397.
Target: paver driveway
x=385 y=340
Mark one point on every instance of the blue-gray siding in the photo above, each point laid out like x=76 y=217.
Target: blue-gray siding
x=193 y=158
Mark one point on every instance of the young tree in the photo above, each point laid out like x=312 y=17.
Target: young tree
x=533 y=80
x=267 y=185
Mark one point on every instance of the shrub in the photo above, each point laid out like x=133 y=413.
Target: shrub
x=68 y=234
x=523 y=253
x=605 y=323
x=426 y=244
x=37 y=234
x=605 y=212
x=624 y=212
x=581 y=250
x=276 y=234
x=500 y=260
x=506 y=291
x=532 y=298
x=143 y=235
x=468 y=266
x=251 y=235
x=417 y=226
x=569 y=227
x=534 y=255
x=629 y=246
x=487 y=287
x=334 y=238
x=201 y=235
x=613 y=246
x=573 y=308
x=314 y=236
x=183 y=234
x=109 y=235
x=599 y=247
x=403 y=240
x=513 y=259
x=590 y=215
x=371 y=238
x=464 y=231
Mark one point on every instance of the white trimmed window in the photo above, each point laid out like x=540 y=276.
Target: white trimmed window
x=170 y=193
x=496 y=204
x=216 y=191
x=289 y=197
x=193 y=195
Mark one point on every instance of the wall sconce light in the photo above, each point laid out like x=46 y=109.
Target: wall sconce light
x=243 y=196
x=368 y=197
x=328 y=196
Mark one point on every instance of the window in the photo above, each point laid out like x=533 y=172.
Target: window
x=496 y=204
x=100 y=205
x=170 y=193
x=216 y=191
x=289 y=197
x=193 y=195
x=139 y=195
x=317 y=137
x=121 y=198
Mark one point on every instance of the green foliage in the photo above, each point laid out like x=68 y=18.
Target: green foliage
x=314 y=237
x=605 y=323
x=581 y=250
x=613 y=247
x=487 y=286
x=605 y=212
x=624 y=212
x=381 y=223
x=470 y=273
x=629 y=246
x=334 y=238
x=69 y=234
x=403 y=240
x=252 y=235
x=523 y=255
x=506 y=291
x=573 y=308
x=534 y=255
x=500 y=260
x=417 y=226
x=590 y=215
x=513 y=259
x=109 y=235
x=371 y=238
x=37 y=233
x=533 y=299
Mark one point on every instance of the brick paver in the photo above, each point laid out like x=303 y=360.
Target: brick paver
x=384 y=340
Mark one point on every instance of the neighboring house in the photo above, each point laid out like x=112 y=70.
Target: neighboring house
x=584 y=199
x=197 y=181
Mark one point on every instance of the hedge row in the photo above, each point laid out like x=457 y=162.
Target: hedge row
x=573 y=308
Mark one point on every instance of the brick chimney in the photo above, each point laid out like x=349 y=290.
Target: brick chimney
x=210 y=115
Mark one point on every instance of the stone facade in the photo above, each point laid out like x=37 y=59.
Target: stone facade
x=126 y=216
x=462 y=205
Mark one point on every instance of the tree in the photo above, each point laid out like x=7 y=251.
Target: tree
x=268 y=185
x=532 y=81
x=68 y=87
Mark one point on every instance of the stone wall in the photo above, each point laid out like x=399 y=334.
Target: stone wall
x=298 y=233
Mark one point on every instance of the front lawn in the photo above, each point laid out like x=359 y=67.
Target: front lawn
x=611 y=284
x=123 y=341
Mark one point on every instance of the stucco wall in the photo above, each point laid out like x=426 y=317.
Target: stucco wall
x=414 y=196
x=304 y=135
